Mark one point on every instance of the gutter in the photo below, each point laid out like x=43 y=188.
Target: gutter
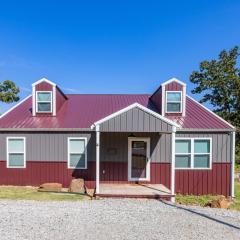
x=46 y=130
x=206 y=130
x=92 y=129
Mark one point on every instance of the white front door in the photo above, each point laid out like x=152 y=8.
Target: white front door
x=138 y=159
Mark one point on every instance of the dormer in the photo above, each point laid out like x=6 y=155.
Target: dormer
x=170 y=98
x=47 y=98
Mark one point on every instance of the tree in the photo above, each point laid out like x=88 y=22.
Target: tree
x=219 y=82
x=8 y=92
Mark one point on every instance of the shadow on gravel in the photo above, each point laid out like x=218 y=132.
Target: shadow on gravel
x=200 y=214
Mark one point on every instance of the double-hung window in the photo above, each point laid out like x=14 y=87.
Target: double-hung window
x=193 y=153
x=183 y=153
x=44 y=101
x=202 y=153
x=16 y=152
x=174 y=101
x=77 y=153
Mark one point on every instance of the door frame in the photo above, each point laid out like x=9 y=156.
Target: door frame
x=147 y=140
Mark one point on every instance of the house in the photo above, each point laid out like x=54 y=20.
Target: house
x=165 y=138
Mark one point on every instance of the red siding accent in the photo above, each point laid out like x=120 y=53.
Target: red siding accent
x=44 y=86
x=161 y=173
x=200 y=182
x=37 y=173
x=196 y=182
x=116 y=172
x=173 y=114
x=43 y=114
x=173 y=86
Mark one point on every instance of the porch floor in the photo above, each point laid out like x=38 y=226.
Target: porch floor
x=134 y=190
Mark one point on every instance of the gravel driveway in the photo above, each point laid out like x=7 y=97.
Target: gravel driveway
x=114 y=219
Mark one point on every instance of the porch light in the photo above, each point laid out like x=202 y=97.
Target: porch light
x=131 y=135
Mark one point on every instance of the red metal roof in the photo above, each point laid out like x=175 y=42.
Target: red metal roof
x=197 y=117
x=82 y=110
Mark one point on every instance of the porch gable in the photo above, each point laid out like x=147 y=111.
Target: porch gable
x=135 y=118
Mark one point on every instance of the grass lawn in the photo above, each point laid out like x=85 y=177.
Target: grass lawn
x=237 y=167
x=203 y=200
x=236 y=204
x=30 y=193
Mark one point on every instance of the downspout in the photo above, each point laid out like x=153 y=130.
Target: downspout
x=233 y=139
x=173 y=164
x=97 y=159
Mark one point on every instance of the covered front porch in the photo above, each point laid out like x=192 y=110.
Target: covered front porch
x=132 y=165
x=134 y=154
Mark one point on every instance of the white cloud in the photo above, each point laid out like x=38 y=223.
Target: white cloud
x=73 y=90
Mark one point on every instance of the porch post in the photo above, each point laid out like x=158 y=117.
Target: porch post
x=233 y=139
x=173 y=164
x=97 y=159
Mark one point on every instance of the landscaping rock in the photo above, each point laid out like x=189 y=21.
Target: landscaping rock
x=237 y=177
x=50 y=187
x=77 y=186
x=90 y=192
x=222 y=202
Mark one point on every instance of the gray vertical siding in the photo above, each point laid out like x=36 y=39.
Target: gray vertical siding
x=135 y=120
x=42 y=146
x=114 y=147
x=48 y=146
x=221 y=144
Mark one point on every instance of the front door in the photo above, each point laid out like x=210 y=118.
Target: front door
x=138 y=159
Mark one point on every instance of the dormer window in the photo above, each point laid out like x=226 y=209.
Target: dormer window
x=44 y=101
x=173 y=101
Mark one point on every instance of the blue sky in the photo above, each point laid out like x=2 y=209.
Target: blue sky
x=111 y=46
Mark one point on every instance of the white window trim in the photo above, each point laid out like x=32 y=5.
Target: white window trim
x=85 y=141
x=181 y=101
x=193 y=153
x=37 y=101
x=24 y=152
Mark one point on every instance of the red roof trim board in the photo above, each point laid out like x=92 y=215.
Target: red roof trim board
x=88 y=109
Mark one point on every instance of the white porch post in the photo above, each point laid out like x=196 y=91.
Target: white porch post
x=173 y=164
x=97 y=159
x=233 y=139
